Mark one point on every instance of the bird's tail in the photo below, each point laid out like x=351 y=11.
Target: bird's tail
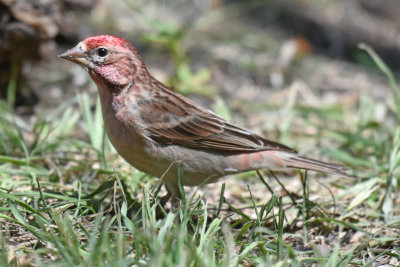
x=296 y=161
x=280 y=161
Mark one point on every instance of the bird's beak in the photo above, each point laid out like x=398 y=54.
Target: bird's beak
x=76 y=54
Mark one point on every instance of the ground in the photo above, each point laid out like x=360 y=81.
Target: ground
x=68 y=198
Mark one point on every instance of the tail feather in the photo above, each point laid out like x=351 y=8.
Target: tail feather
x=316 y=165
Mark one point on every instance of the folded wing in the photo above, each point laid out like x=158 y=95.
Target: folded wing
x=174 y=119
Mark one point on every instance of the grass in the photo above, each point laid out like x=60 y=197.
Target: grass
x=68 y=201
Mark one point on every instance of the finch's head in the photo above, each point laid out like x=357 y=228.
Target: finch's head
x=109 y=59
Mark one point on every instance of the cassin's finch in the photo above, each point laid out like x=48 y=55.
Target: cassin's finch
x=153 y=128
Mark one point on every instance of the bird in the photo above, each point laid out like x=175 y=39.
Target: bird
x=157 y=130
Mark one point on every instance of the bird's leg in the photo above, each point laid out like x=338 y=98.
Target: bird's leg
x=164 y=199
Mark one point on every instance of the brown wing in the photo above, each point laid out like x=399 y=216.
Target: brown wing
x=173 y=119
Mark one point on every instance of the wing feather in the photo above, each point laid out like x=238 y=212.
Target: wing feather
x=174 y=119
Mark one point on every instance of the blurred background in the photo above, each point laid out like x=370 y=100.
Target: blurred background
x=246 y=50
x=291 y=70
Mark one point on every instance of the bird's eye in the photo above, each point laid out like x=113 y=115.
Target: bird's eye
x=102 y=52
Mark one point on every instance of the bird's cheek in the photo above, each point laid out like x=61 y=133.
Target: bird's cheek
x=113 y=75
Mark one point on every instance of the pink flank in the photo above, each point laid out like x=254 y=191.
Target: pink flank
x=258 y=160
